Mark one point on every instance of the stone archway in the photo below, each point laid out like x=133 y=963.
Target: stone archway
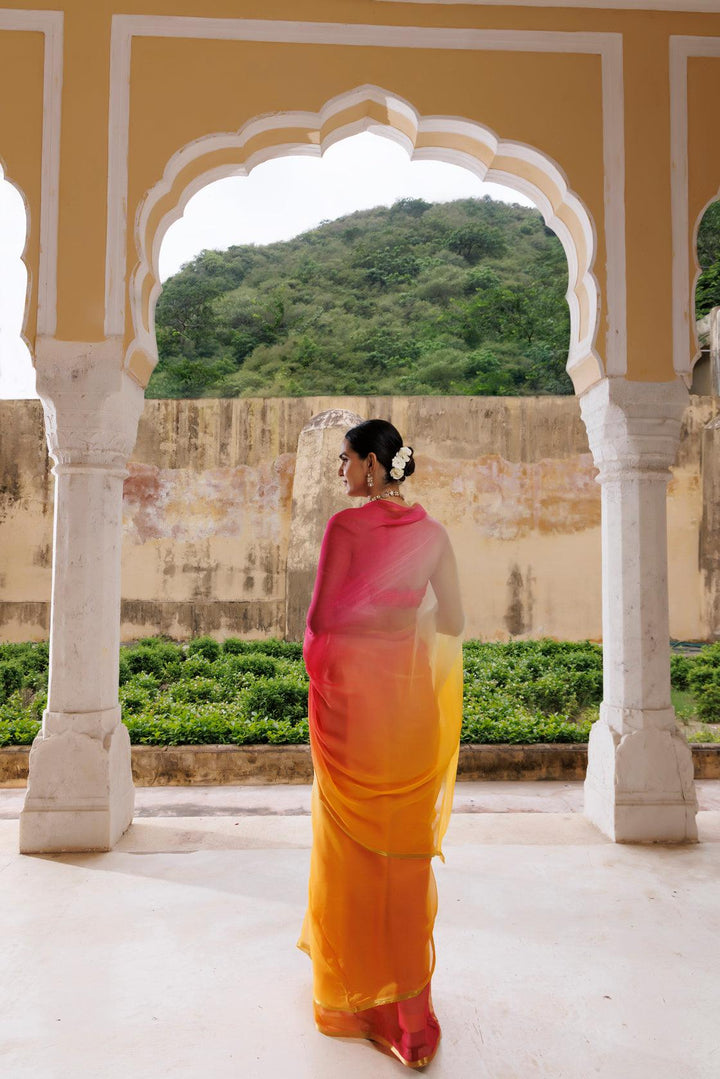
x=639 y=785
x=369 y=108
x=14 y=314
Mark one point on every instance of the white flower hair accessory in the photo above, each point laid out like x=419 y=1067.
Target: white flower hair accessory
x=399 y=462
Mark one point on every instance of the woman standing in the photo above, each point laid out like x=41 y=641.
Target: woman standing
x=382 y=649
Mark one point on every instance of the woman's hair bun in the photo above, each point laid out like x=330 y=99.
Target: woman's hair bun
x=384 y=440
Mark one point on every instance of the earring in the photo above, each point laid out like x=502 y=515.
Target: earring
x=370 y=480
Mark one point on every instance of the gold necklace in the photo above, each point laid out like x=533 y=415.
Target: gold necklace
x=387 y=494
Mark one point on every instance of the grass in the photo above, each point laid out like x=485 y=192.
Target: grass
x=695 y=730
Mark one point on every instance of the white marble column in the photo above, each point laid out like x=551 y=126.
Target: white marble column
x=80 y=792
x=639 y=785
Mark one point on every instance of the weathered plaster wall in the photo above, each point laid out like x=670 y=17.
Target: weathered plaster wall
x=26 y=522
x=208 y=512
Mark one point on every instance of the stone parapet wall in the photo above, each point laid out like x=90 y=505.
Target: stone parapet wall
x=208 y=513
x=209 y=766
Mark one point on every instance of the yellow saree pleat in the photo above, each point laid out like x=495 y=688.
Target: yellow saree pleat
x=385 y=712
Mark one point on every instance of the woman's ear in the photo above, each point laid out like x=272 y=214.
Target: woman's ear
x=371 y=461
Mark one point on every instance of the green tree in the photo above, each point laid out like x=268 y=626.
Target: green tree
x=524 y=313
x=707 y=292
x=388 y=266
x=474 y=242
x=460 y=297
x=184 y=316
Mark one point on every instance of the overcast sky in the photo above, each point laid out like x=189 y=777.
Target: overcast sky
x=278 y=200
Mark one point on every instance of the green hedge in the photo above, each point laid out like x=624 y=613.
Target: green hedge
x=253 y=692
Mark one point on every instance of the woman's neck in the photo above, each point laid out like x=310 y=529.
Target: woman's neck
x=391 y=493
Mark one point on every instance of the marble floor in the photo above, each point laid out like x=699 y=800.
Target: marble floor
x=560 y=954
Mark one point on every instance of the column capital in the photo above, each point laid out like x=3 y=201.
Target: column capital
x=633 y=427
x=91 y=405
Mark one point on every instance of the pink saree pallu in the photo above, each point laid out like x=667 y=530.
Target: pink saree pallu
x=385 y=710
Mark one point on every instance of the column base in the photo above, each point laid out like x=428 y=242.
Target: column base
x=80 y=793
x=639 y=786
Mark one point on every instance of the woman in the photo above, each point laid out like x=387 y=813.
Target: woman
x=383 y=653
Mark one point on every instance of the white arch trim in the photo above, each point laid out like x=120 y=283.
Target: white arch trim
x=685 y=266
x=5 y=179
x=369 y=108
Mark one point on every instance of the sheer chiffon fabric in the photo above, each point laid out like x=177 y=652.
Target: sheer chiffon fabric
x=385 y=710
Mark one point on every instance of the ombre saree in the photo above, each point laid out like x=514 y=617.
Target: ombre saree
x=385 y=709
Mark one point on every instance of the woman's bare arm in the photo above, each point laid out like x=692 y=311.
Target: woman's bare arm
x=446 y=586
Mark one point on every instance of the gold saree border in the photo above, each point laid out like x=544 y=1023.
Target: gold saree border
x=380 y=1001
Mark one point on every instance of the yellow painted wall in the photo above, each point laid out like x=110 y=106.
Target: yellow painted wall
x=83 y=173
x=185 y=89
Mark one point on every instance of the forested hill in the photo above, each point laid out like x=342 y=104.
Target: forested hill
x=462 y=297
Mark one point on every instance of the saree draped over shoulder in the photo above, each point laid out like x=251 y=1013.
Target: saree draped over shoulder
x=385 y=710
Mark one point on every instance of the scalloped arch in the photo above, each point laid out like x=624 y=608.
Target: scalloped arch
x=695 y=350
x=5 y=179
x=368 y=108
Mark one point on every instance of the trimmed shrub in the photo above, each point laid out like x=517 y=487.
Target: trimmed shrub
x=546 y=677
x=249 y=692
x=11 y=677
x=16 y=650
x=274 y=647
x=523 y=730
x=36 y=680
x=204 y=646
x=197 y=666
x=144 y=660
x=705 y=669
x=587 y=685
x=196 y=690
x=271 y=647
x=235 y=668
x=233 y=646
x=134 y=700
x=708 y=703
x=259 y=665
x=704 y=736
x=680 y=669
x=18 y=732
x=152 y=655
x=124 y=667
x=278 y=699
x=549 y=693
x=184 y=727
